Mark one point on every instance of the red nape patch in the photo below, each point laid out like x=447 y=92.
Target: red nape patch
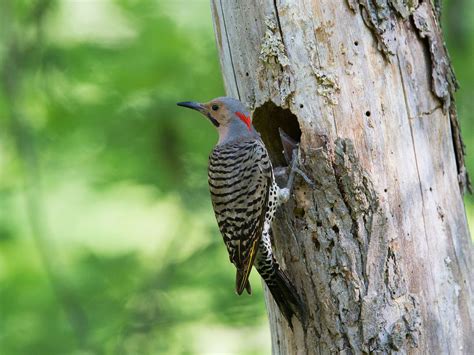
x=244 y=119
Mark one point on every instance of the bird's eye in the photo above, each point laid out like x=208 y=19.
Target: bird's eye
x=215 y=107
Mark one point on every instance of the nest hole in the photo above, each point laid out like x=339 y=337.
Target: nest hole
x=267 y=119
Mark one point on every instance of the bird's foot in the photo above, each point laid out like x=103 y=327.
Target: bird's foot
x=294 y=169
x=283 y=195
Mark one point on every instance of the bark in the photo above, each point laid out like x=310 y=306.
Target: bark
x=379 y=249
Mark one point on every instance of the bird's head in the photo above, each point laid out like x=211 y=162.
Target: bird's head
x=230 y=117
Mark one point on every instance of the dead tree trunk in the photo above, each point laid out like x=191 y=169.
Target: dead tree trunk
x=380 y=249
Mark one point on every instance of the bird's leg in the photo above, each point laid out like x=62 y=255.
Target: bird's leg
x=284 y=194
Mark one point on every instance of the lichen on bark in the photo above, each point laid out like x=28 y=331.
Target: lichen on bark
x=272 y=49
x=328 y=86
x=275 y=61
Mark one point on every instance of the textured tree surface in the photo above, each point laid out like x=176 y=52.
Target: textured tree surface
x=379 y=249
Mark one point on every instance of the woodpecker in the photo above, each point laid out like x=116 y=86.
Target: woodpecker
x=245 y=197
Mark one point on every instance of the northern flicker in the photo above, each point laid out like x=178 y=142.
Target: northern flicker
x=245 y=197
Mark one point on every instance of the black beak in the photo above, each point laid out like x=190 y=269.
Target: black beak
x=192 y=105
x=198 y=107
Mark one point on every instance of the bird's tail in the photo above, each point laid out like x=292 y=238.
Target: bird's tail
x=286 y=296
x=239 y=282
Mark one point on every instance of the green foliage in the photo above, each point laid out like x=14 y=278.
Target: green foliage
x=120 y=252
x=107 y=239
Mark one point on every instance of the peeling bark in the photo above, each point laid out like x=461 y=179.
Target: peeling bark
x=381 y=18
x=379 y=249
x=366 y=305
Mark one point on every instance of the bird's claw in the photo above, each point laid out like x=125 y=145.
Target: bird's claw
x=284 y=195
x=304 y=176
x=295 y=169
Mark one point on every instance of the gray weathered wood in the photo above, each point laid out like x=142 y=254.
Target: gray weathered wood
x=380 y=249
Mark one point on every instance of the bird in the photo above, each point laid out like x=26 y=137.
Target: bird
x=244 y=197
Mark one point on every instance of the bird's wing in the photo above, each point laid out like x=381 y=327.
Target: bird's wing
x=240 y=178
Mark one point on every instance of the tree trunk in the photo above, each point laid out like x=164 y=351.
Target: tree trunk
x=379 y=250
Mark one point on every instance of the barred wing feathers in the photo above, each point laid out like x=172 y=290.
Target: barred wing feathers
x=240 y=177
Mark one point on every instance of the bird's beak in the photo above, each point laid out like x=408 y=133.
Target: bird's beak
x=192 y=105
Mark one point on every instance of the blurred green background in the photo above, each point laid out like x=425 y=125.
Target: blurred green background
x=108 y=243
